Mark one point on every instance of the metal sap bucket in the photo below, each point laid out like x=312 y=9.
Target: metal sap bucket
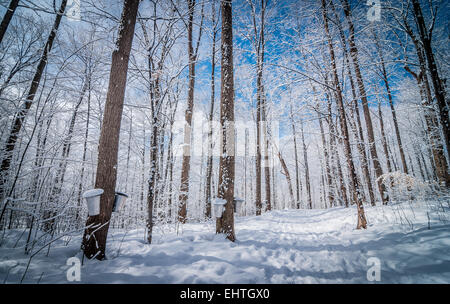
x=119 y=201
x=218 y=207
x=93 y=200
x=237 y=204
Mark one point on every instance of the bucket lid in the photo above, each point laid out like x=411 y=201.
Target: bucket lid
x=121 y=193
x=219 y=201
x=93 y=192
x=238 y=199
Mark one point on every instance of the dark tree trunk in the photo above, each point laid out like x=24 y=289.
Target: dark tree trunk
x=305 y=159
x=439 y=90
x=209 y=166
x=186 y=165
x=225 y=224
x=294 y=135
x=94 y=239
x=7 y=18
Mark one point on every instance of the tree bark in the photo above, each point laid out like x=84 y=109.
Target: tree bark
x=391 y=105
x=294 y=135
x=357 y=129
x=7 y=18
x=383 y=139
x=94 y=239
x=439 y=90
x=225 y=224
x=287 y=175
x=365 y=103
x=305 y=159
x=329 y=180
x=266 y=156
x=211 y=116
x=362 y=223
x=192 y=54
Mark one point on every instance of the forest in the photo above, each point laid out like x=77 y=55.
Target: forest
x=220 y=141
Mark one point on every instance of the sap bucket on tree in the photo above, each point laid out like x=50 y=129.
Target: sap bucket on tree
x=119 y=200
x=218 y=207
x=93 y=201
x=237 y=204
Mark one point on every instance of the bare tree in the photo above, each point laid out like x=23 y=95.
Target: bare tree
x=365 y=103
x=211 y=113
x=193 y=55
x=362 y=223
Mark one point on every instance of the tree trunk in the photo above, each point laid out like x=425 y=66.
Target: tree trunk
x=184 y=186
x=358 y=136
x=287 y=175
x=7 y=18
x=439 y=90
x=362 y=223
x=305 y=159
x=391 y=104
x=225 y=224
x=266 y=156
x=86 y=134
x=211 y=116
x=294 y=135
x=94 y=239
x=327 y=164
x=365 y=103
x=383 y=139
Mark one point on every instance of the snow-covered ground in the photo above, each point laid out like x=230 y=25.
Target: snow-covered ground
x=289 y=246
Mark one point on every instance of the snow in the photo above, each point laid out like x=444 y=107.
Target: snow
x=283 y=246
